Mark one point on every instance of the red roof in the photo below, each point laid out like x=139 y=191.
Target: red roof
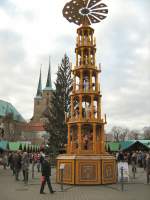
x=38 y=126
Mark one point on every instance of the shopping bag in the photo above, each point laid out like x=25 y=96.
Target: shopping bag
x=42 y=179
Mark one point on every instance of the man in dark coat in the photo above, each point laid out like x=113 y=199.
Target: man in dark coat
x=148 y=168
x=17 y=164
x=25 y=166
x=11 y=162
x=46 y=173
x=120 y=157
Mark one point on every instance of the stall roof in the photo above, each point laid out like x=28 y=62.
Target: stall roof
x=14 y=146
x=113 y=146
x=137 y=145
x=129 y=144
x=3 y=145
x=126 y=144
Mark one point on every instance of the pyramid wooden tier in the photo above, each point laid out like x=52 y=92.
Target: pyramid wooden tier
x=86 y=161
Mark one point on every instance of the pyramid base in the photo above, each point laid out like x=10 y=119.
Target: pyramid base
x=86 y=169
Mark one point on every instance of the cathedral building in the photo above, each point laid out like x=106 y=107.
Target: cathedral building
x=34 y=130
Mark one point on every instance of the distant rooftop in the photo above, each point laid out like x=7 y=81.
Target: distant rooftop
x=7 y=108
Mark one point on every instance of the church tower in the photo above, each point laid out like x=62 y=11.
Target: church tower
x=38 y=102
x=42 y=99
x=47 y=91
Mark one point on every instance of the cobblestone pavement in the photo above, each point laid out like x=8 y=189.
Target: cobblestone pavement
x=136 y=189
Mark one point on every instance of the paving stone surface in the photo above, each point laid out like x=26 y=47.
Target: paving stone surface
x=136 y=189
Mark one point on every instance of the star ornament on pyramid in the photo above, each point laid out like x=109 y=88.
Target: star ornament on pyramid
x=85 y=11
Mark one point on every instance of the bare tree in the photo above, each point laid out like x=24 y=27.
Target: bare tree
x=146 y=133
x=124 y=133
x=116 y=132
x=133 y=135
x=119 y=133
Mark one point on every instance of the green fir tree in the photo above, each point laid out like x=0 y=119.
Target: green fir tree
x=60 y=105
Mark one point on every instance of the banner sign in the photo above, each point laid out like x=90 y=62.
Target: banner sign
x=123 y=166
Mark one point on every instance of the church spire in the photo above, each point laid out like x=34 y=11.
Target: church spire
x=49 y=82
x=39 y=89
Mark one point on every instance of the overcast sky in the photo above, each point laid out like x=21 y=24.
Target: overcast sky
x=31 y=30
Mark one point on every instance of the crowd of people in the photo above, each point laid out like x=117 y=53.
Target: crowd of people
x=20 y=162
x=136 y=159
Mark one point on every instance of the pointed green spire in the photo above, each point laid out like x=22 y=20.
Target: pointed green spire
x=39 y=90
x=49 y=82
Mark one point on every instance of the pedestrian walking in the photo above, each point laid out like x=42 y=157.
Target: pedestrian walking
x=38 y=162
x=25 y=166
x=133 y=163
x=148 y=168
x=11 y=162
x=33 y=161
x=144 y=161
x=46 y=173
x=120 y=157
x=17 y=164
x=5 y=160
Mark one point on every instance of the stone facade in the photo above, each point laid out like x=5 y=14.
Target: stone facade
x=40 y=105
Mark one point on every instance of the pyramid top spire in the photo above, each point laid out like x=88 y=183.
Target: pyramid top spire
x=85 y=12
